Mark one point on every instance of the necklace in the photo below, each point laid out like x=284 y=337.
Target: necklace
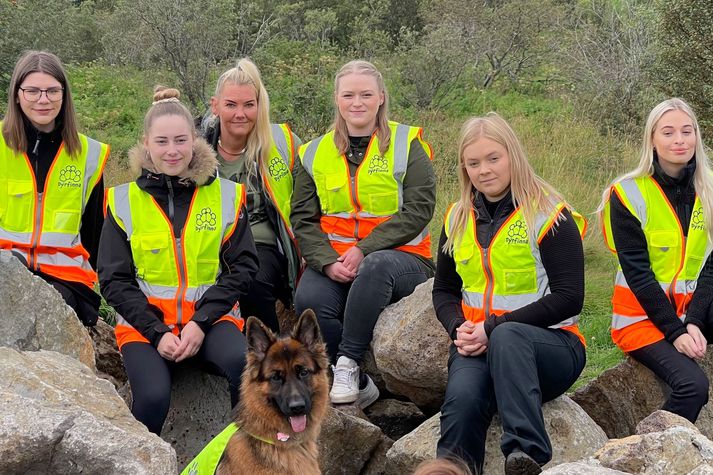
x=220 y=146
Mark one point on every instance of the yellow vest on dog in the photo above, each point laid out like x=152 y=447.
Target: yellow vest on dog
x=206 y=462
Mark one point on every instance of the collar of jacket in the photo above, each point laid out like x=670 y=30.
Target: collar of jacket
x=504 y=207
x=684 y=180
x=201 y=171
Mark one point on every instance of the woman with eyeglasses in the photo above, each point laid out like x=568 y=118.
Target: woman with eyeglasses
x=51 y=188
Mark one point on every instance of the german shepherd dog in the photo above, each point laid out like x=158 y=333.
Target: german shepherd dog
x=283 y=400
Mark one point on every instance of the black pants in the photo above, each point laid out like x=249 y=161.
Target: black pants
x=688 y=382
x=270 y=283
x=222 y=353
x=347 y=313
x=524 y=367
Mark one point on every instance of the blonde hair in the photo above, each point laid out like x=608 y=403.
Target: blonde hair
x=529 y=191
x=257 y=149
x=13 y=129
x=442 y=466
x=341 y=133
x=166 y=102
x=702 y=181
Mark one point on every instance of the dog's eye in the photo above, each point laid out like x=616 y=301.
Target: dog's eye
x=276 y=377
x=303 y=372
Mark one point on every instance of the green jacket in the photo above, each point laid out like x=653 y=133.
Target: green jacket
x=419 y=202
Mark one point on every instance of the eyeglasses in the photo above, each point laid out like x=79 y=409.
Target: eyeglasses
x=33 y=94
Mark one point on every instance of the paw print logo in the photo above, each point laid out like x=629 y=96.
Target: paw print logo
x=697 y=217
x=378 y=164
x=277 y=168
x=518 y=230
x=206 y=218
x=70 y=173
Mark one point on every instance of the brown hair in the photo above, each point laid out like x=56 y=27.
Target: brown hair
x=165 y=102
x=341 y=133
x=13 y=129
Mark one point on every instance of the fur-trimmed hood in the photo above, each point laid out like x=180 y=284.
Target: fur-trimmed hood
x=200 y=171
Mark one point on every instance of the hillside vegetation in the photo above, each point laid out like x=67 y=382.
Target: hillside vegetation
x=574 y=77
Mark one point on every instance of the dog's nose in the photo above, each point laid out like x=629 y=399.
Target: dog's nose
x=297 y=406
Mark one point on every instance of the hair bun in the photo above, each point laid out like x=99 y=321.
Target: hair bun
x=163 y=93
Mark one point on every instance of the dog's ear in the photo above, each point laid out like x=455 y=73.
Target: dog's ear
x=259 y=337
x=307 y=329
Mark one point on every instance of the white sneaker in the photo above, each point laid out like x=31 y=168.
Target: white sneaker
x=368 y=395
x=345 y=387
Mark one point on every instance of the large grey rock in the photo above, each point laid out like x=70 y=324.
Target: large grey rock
x=34 y=316
x=349 y=445
x=622 y=396
x=581 y=468
x=410 y=347
x=673 y=451
x=573 y=433
x=200 y=410
x=659 y=421
x=58 y=418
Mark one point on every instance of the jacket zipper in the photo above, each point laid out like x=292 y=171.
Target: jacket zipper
x=39 y=211
x=179 y=256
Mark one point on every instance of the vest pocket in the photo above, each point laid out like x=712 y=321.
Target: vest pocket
x=65 y=221
x=153 y=261
x=384 y=203
x=20 y=201
x=336 y=196
x=207 y=270
x=520 y=281
x=664 y=249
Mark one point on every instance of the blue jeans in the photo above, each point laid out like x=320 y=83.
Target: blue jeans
x=524 y=367
x=347 y=313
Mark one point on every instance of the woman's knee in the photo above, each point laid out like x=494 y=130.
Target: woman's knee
x=506 y=334
x=697 y=387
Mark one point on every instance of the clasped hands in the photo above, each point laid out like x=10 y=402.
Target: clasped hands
x=693 y=343
x=173 y=348
x=471 y=339
x=345 y=269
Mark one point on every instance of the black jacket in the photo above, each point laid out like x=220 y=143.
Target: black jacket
x=632 y=251
x=562 y=256
x=116 y=267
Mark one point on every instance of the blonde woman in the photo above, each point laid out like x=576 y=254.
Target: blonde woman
x=261 y=156
x=364 y=195
x=509 y=286
x=656 y=220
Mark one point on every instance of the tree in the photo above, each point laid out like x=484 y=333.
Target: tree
x=685 y=60
x=187 y=37
x=607 y=57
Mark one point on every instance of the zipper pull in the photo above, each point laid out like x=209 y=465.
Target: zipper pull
x=37 y=145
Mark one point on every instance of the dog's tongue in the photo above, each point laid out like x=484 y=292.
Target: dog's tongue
x=298 y=423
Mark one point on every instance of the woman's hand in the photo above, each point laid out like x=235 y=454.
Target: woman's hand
x=338 y=272
x=167 y=346
x=687 y=345
x=698 y=337
x=191 y=341
x=352 y=258
x=471 y=339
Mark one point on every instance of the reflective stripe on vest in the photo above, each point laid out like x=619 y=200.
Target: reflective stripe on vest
x=676 y=261
x=175 y=271
x=353 y=206
x=206 y=462
x=44 y=227
x=278 y=182
x=508 y=274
